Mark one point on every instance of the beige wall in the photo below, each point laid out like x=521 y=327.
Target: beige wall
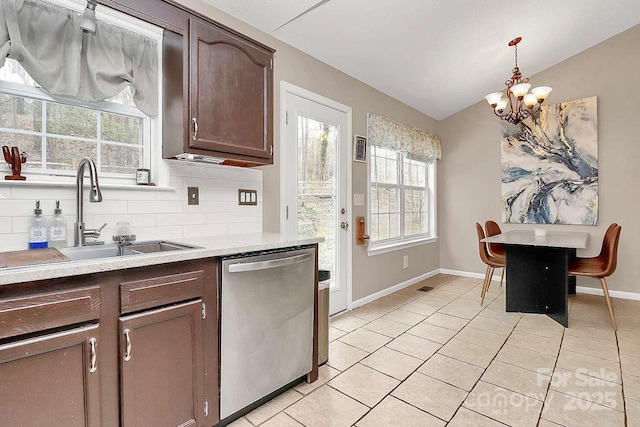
x=370 y=274
x=469 y=174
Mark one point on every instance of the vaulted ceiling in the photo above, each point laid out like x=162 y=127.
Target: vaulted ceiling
x=438 y=56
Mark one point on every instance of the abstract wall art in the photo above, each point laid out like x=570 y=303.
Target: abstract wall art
x=550 y=166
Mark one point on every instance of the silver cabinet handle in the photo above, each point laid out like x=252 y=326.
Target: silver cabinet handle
x=344 y=225
x=195 y=128
x=263 y=265
x=127 y=351
x=94 y=357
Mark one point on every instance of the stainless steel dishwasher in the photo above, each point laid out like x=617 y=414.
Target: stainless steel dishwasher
x=266 y=324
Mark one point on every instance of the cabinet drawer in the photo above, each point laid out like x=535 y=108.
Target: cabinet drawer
x=51 y=310
x=157 y=291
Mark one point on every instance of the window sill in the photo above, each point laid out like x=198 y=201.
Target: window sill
x=58 y=184
x=396 y=246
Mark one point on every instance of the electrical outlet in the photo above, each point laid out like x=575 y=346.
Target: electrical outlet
x=192 y=196
x=406 y=261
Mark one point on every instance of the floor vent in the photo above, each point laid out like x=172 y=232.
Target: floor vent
x=426 y=288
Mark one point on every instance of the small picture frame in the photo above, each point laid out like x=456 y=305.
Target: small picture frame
x=359 y=148
x=143 y=177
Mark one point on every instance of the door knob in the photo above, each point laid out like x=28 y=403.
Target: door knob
x=344 y=225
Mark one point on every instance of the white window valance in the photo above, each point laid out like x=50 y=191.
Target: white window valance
x=383 y=132
x=50 y=45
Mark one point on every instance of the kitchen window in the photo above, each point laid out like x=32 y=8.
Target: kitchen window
x=402 y=209
x=56 y=132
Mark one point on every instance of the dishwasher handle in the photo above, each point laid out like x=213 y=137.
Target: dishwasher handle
x=241 y=267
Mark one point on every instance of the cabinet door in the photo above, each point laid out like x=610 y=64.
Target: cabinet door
x=162 y=367
x=51 y=380
x=230 y=93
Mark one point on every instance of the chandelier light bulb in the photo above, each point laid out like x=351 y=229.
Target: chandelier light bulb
x=541 y=92
x=502 y=104
x=530 y=100
x=493 y=98
x=520 y=90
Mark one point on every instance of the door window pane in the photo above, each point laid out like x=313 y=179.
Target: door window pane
x=317 y=143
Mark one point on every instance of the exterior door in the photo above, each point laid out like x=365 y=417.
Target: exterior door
x=316 y=179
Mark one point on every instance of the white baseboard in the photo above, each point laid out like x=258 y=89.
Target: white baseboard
x=495 y=278
x=614 y=294
x=579 y=289
x=392 y=289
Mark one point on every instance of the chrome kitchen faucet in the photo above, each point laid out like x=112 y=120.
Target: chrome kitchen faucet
x=95 y=196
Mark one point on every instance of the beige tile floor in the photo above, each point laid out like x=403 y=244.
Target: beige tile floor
x=438 y=358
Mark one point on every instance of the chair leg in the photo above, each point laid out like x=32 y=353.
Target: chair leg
x=502 y=276
x=490 y=278
x=605 y=289
x=484 y=283
x=487 y=279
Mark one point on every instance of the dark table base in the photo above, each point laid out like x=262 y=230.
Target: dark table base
x=537 y=281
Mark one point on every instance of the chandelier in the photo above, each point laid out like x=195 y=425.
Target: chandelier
x=520 y=103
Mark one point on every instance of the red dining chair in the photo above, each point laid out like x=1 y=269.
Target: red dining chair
x=492 y=261
x=602 y=265
x=497 y=249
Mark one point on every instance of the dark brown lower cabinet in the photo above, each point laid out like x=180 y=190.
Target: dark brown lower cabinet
x=51 y=380
x=161 y=367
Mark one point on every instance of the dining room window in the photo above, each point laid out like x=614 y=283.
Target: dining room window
x=401 y=196
x=402 y=170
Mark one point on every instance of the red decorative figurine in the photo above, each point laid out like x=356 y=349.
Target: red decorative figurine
x=15 y=159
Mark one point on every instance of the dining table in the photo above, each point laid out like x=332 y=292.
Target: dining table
x=537 y=270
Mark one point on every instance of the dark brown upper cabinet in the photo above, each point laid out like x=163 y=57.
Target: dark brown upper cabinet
x=230 y=95
x=217 y=86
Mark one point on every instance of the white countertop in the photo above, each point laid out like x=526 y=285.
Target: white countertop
x=211 y=246
x=553 y=239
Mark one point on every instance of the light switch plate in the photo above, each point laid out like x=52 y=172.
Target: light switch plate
x=193 y=197
x=358 y=199
x=247 y=197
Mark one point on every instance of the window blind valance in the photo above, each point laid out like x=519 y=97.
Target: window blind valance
x=383 y=132
x=48 y=42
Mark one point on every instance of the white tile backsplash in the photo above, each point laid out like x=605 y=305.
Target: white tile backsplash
x=151 y=213
x=154 y=206
x=181 y=218
x=6 y=225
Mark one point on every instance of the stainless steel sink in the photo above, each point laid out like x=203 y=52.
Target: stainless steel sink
x=157 y=246
x=110 y=251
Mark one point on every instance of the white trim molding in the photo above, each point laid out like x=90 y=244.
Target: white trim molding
x=392 y=289
x=480 y=276
x=615 y=294
x=579 y=289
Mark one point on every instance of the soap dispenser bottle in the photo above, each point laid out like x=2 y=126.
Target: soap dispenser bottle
x=58 y=229
x=38 y=229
